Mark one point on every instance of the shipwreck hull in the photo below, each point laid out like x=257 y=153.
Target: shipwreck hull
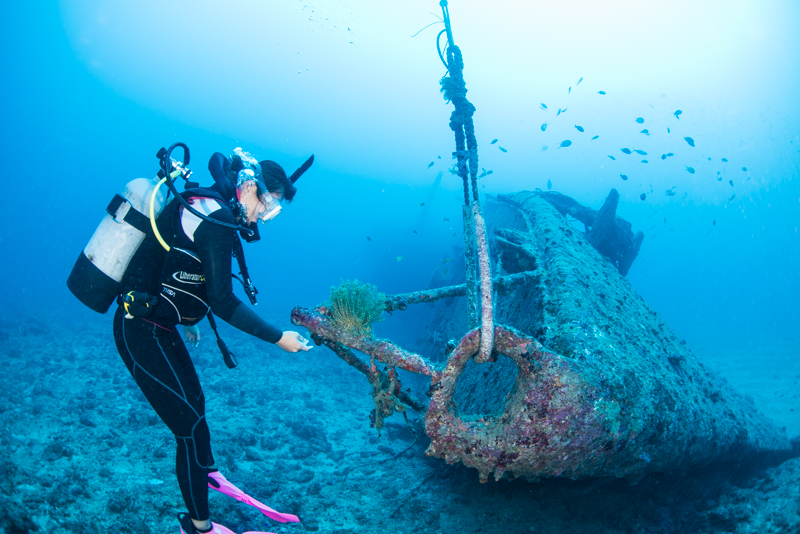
x=614 y=393
x=585 y=379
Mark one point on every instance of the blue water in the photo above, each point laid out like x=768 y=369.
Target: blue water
x=91 y=90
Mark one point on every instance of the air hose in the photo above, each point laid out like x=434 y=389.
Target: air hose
x=181 y=170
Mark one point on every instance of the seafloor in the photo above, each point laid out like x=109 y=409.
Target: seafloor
x=82 y=452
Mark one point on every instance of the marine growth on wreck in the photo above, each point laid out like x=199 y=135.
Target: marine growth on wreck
x=597 y=384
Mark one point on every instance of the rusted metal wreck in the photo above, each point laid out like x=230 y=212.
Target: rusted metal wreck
x=597 y=384
x=562 y=370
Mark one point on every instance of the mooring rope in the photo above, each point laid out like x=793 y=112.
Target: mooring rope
x=455 y=91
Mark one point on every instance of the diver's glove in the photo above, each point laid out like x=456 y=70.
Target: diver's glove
x=220 y=483
x=293 y=342
x=192 y=335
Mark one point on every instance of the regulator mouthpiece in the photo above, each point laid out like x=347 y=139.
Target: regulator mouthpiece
x=248 y=169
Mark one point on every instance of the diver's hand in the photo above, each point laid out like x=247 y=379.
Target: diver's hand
x=192 y=335
x=293 y=342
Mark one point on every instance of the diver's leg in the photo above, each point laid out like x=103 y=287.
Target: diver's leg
x=160 y=364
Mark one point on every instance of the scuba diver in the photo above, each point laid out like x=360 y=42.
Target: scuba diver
x=181 y=273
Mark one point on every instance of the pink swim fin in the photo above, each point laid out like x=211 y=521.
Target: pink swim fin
x=220 y=483
x=190 y=529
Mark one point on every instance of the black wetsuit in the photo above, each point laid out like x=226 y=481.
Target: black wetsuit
x=151 y=346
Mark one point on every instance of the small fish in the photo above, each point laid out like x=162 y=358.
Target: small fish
x=709 y=159
x=502 y=149
x=670 y=154
x=544 y=126
x=623 y=176
x=421 y=204
x=626 y=150
x=579 y=128
x=564 y=110
x=544 y=148
x=678 y=113
x=430 y=164
x=718 y=173
x=690 y=170
x=569 y=90
x=644 y=161
x=642 y=196
x=399 y=258
x=732 y=197
x=439 y=157
x=559 y=112
x=565 y=144
x=489 y=172
x=744 y=169
x=446 y=219
x=493 y=141
x=667 y=130
x=714 y=222
x=663 y=156
x=640 y=120
x=719 y=178
x=725 y=160
x=640 y=152
x=454 y=234
x=369 y=238
x=579 y=81
x=689 y=140
x=446 y=260
x=612 y=157
x=601 y=92
x=549 y=185
x=670 y=193
x=414 y=231
x=447 y=270
x=730 y=182
x=595 y=137
x=646 y=132
x=542 y=105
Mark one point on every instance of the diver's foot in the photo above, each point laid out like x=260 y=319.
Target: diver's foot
x=188 y=527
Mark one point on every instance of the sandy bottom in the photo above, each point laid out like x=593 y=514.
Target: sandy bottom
x=82 y=452
x=770 y=374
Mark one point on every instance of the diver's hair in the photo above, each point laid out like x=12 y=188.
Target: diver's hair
x=276 y=180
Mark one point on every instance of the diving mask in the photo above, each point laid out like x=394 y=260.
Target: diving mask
x=269 y=207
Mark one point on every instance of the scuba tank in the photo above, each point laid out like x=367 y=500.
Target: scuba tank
x=96 y=278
